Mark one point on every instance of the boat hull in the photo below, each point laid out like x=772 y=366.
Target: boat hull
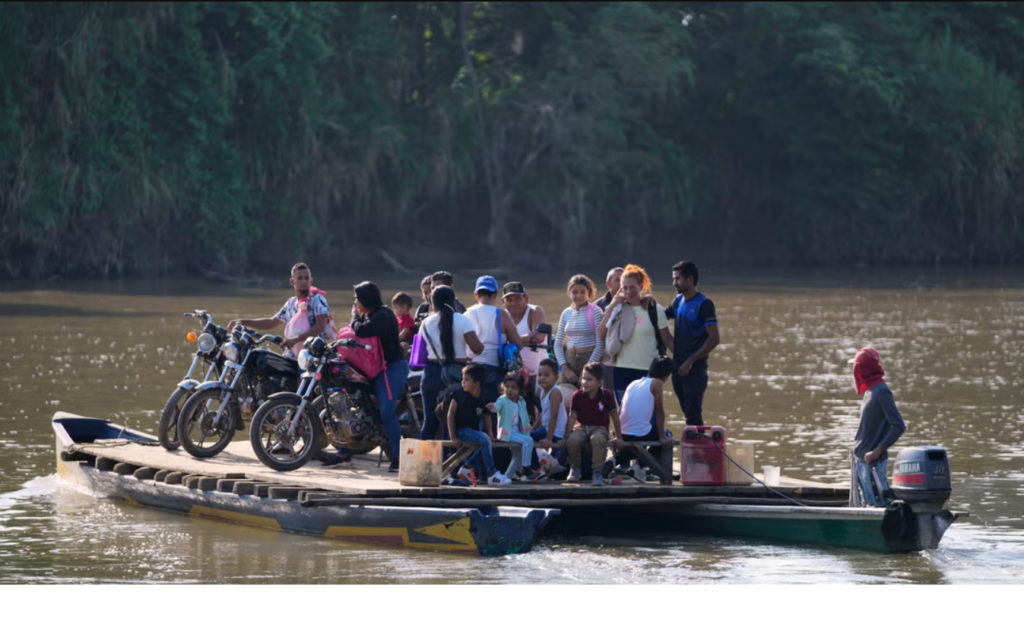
x=112 y=462
x=490 y=531
x=871 y=529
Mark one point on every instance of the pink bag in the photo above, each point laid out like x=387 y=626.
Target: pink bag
x=299 y=323
x=369 y=362
x=418 y=358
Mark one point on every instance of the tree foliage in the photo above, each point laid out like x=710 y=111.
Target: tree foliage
x=170 y=137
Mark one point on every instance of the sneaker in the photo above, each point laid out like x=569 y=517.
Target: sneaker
x=393 y=467
x=336 y=461
x=465 y=474
x=536 y=476
x=598 y=478
x=498 y=480
x=574 y=475
x=637 y=472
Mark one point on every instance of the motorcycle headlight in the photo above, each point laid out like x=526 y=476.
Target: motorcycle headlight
x=230 y=352
x=206 y=343
x=306 y=360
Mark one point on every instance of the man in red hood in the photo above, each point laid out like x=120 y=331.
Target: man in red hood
x=880 y=427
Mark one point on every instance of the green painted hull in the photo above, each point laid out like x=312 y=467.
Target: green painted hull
x=846 y=528
x=872 y=529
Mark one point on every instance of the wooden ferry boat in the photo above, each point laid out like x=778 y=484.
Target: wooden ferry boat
x=366 y=503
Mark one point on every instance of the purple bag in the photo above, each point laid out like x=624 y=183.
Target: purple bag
x=418 y=358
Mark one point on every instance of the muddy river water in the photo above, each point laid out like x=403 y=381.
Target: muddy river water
x=952 y=347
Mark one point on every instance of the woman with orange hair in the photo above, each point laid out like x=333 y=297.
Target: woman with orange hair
x=635 y=330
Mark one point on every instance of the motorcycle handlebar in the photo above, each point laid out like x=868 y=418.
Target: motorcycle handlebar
x=545 y=329
x=550 y=347
x=276 y=339
x=204 y=318
x=351 y=342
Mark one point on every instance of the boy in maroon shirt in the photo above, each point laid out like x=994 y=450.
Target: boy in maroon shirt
x=591 y=408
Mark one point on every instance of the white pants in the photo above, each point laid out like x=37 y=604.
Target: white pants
x=526 y=442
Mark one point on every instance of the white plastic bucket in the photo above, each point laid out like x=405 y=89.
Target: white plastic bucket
x=420 y=463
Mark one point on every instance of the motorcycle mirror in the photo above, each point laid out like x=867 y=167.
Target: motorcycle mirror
x=544 y=328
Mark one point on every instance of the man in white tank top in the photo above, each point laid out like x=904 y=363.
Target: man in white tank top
x=526 y=317
x=643 y=411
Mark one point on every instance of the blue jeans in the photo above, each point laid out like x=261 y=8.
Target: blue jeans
x=432 y=385
x=397 y=374
x=690 y=391
x=483 y=452
x=489 y=389
x=873 y=496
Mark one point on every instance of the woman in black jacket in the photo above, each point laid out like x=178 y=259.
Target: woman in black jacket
x=373 y=319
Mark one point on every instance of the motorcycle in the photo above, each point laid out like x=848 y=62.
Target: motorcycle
x=290 y=428
x=207 y=344
x=221 y=407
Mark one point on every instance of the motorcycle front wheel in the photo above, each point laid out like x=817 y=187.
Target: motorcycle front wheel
x=276 y=443
x=196 y=430
x=167 y=429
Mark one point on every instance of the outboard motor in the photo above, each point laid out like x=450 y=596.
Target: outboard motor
x=921 y=481
x=921 y=478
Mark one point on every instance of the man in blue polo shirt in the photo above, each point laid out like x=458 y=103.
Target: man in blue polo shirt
x=696 y=335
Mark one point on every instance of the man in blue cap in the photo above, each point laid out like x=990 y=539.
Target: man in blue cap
x=488 y=320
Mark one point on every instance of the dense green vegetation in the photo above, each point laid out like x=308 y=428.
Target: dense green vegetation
x=140 y=138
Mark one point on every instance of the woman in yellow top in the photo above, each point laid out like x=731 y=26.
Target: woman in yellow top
x=635 y=330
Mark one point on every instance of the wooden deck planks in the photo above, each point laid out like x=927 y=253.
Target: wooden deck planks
x=365 y=479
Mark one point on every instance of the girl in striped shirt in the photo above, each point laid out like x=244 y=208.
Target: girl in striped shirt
x=577 y=342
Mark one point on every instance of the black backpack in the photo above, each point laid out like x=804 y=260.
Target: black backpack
x=444 y=401
x=652 y=313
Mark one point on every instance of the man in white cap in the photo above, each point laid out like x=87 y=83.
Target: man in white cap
x=486 y=318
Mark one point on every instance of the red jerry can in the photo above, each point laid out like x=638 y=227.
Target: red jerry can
x=702 y=456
